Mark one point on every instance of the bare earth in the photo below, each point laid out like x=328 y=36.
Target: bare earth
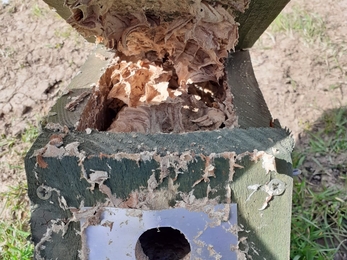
x=40 y=54
x=301 y=79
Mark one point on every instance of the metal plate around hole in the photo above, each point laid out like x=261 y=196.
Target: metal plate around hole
x=209 y=233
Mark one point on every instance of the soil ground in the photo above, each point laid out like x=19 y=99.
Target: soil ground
x=302 y=71
x=39 y=55
x=300 y=63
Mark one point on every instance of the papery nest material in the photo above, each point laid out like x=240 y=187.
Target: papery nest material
x=164 y=51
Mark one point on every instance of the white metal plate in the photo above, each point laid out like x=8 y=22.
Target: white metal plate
x=209 y=238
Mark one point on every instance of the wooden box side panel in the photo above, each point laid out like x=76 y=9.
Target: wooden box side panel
x=248 y=100
x=209 y=175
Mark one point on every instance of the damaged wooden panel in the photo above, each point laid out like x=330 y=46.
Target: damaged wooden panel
x=191 y=242
x=265 y=218
x=169 y=74
x=144 y=172
x=68 y=109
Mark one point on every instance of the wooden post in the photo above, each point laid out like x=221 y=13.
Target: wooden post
x=254 y=21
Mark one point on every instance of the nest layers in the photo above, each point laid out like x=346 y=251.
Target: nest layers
x=145 y=97
x=171 y=58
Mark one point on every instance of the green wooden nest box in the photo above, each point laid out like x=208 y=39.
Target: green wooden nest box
x=165 y=118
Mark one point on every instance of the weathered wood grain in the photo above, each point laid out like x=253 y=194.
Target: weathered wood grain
x=248 y=100
x=84 y=80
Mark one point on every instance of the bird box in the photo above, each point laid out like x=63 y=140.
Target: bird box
x=162 y=147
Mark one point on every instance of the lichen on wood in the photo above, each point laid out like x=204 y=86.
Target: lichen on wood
x=168 y=73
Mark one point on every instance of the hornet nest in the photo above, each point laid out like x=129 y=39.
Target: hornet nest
x=168 y=72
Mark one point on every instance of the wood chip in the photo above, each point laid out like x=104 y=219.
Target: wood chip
x=71 y=106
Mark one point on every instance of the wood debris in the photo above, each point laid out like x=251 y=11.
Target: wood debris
x=71 y=106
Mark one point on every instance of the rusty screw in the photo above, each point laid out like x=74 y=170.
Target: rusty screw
x=43 y=192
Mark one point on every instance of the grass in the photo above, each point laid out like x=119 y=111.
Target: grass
x=310 y=26
x=7 y=52
x=14 y=233
x=64 y=33
x=319 y=220
x=331 y=136
x=14 y=243
x=14 y=228
x=37 y=11
x=27 y=138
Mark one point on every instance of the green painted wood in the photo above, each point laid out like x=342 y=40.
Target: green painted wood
x=126 y=175
x=87 y=77
x=267 y=232
x=60 y=8
x=248 y=100
x=256 y=19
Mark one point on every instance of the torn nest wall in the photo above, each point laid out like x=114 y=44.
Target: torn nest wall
x=168 y=74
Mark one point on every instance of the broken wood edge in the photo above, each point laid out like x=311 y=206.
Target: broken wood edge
x=244 y=225
x=82 y=84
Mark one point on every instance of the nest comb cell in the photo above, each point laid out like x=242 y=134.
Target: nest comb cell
x=173 y=68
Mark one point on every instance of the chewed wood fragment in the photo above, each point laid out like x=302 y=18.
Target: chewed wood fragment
x=41 y=162
x=99 y=177
x=56 y=140
x=268 y=160
x=254 y=188
x=208 y=171
x=56 y=127
x=71 y=106
x=100 y=56
x=266 y=203
x=108 y=224
x=274 y=188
